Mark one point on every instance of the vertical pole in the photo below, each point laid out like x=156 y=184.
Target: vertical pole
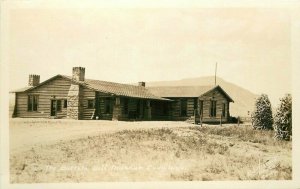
x=238 y=120
x=216 y=73
x=201 y=119
x=221 y=120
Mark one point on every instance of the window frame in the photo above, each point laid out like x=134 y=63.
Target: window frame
x=224 y=109
x=213 y=108
x=90 y=102
x=32 y=103
x=58 y=105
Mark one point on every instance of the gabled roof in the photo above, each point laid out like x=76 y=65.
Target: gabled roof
x=185 y=91
x=155 y=93
x=111 y=88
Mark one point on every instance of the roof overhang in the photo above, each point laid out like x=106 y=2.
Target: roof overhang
x=222 y=90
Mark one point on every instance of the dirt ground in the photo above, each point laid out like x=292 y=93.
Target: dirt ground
x=43 y=151
x=27 y=133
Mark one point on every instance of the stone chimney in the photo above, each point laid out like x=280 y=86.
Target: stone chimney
x=142 y=84
x=78 y=73
x=34 y=80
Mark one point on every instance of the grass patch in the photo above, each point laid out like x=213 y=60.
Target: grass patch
x=163 y=154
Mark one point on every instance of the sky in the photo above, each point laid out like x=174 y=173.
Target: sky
x=252 y=46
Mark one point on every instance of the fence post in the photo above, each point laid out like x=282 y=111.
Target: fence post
x=221 y=120
x=238 y=119
x=201 y=119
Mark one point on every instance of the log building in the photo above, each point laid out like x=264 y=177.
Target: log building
x=75 y=97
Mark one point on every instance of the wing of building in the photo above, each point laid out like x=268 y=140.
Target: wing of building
x=75 y=97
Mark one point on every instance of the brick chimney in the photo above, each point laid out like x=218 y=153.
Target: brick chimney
x=34 y=80
x=78 y=73
x=142 y=84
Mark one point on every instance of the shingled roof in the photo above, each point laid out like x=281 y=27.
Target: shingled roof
x=112 y=88
x=185 y=91
x=154 y=93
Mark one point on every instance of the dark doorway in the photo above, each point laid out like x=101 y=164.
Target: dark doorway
x=53 y=107
x=56 y=106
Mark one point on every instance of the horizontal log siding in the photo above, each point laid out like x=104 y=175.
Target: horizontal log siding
x=101 y=105
x=58 y=88
x=220 y=99
x=87 y=94
x=176 y=108
x=190 y=107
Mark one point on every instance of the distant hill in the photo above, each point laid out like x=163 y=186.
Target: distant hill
x=243 y=99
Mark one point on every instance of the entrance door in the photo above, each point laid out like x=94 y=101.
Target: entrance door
x=53 y=107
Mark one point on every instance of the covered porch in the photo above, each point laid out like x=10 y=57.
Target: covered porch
x=129 y=108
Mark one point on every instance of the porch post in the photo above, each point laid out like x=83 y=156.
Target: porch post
x=116 y=110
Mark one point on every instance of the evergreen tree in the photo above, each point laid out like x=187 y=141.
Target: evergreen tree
x=262 y=116
x=283 y=119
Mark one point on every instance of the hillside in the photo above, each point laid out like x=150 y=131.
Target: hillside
x=243 y=99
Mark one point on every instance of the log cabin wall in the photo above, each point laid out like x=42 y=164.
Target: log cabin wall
x=220 y=101
x=101 y=102
x=175 y=110
x=57 y=88
x=87 y=94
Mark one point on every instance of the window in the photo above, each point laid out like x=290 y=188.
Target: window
x=107 y=105
x=183 y=107
x=32 y=103
x=65 y=103
x=58 y=106
x=90 y=104
x=125 y=105
x=224 y=110
x=213 y=108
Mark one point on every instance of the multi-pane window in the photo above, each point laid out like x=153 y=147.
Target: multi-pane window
x=32 y=103
x=213 y=108
x=58 y=105
x=91 y=104
x=183 y=107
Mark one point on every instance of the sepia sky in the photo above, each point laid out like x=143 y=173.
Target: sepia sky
x=252 y=46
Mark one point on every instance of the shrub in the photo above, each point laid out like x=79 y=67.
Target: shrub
x=262 y=116
x=283 y=119
x=235 y=120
